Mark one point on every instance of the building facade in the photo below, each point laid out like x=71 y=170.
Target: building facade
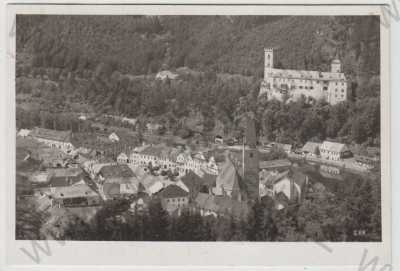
x=289 y=84
x=172 y=159
x=53 y=138
x=334 y=151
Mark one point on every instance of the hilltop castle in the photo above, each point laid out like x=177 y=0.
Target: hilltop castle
x=279 y=83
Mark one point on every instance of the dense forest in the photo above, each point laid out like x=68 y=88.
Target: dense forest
x=108 y=63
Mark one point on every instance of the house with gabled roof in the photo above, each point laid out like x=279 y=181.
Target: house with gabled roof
x=51 y=157
x=23 y=132
x=113 y=137
x=117 y=180
x=334 y=151
x=311 y=149
x=123 y=158
x=53 y=138
x=197 y=184
x=291 y=184
x=174 y=198
x=61 y=177
x=75 y=196
x=211 y=205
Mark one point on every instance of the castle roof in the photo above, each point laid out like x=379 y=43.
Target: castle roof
x=306 y=75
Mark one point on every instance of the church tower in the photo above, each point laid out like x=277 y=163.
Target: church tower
x=336 y=66
x=250 y=160
x=268 y=60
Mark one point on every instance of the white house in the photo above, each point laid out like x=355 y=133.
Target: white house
x=23 y=132
x=164 y=75
x=113 y=137
x=123 y=158
x=129 y=120
x=334 y=151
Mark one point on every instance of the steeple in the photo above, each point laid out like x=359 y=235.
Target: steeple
x=336 y=65
x=250 y=159
x=268 y=60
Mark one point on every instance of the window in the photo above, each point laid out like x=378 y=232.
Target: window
x=251 y=155
x=342 y=90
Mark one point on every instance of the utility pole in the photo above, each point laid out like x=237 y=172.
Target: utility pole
x=244 y=139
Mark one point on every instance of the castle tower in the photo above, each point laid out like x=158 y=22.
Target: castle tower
x=336 y=65
x=268 y=60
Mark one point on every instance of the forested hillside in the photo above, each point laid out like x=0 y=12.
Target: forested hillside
x=141 y=44
x=109 y=63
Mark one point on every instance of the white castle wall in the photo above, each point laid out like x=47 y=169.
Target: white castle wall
x=278 y=83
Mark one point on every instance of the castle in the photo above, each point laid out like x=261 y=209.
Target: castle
x=292 y=84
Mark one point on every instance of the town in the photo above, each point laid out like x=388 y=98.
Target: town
x=221 y=177
x=197 y=128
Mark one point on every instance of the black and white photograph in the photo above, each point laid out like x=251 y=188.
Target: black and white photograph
x=198 y=128
x=199 y=134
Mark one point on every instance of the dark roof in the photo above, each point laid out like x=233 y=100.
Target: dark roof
x=296 y=175
x=118 y=170
x=311 y=147
x=209 y=179
x=192 y=180
x=275 y=164
x=63 y=136
x=75 y=191
x=56 y=181
x=173 y=191
x=64 y=177
x=111 y=189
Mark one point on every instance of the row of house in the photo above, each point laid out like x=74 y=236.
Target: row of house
x=326 y=150
x=168 y=158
